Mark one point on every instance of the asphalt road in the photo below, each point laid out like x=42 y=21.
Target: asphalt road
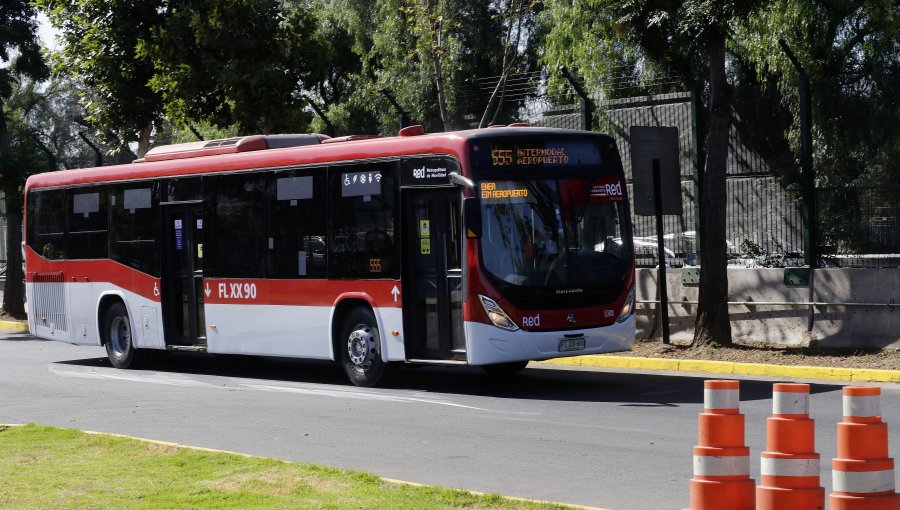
x=605 y=439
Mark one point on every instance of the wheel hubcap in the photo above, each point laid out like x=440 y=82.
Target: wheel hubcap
x=120 y=335
x=361 y=346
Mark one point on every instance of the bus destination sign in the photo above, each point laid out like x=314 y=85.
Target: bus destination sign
x=544 y=154
x=515 y=192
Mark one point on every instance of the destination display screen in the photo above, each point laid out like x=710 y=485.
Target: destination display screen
x=537 y=154
x=509 y=191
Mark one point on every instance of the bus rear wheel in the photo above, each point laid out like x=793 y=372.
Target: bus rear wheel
x=360 y=343
x=118 y=338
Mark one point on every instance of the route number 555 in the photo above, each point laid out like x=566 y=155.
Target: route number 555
x=501 y=157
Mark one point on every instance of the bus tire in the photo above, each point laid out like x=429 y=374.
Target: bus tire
x=505 y=369
x=117 y=335
x=360 y=344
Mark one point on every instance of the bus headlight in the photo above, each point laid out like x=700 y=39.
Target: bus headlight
x=628 y=308
x=496 y=314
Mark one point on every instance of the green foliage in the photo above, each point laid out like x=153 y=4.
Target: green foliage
x=44 y=467
x=100 y=40
x=235 y=61
x=26 y=157
x=850 y=52
x=427 y=54
x=20 y=50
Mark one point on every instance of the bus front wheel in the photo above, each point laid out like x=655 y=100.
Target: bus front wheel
x=360 y=343
x=119 y=340
x=505 y=369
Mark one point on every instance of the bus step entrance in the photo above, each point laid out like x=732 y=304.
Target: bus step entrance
x=188 y=348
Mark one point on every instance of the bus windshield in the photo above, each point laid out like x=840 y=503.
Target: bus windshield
x=555 y=233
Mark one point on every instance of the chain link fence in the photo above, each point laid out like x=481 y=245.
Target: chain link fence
x=763 y=227
x=858 y=225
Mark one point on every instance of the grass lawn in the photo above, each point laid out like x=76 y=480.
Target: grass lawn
x=45 y=467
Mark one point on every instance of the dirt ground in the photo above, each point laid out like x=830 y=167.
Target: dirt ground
x=877 y=359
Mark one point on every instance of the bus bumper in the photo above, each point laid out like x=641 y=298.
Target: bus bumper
x=486 y=344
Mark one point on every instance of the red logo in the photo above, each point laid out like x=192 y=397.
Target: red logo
x=607 y=189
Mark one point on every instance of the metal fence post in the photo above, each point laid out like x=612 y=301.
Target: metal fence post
x=585 y=103
x=808 y=212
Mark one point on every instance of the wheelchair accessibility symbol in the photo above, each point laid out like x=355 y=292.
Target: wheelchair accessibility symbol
x=156 y=289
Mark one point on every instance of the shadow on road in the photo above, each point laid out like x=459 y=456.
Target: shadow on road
x=17 y=336
x=533 y=383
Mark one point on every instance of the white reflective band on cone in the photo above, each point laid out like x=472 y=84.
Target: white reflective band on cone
x=708 y=465
x=862 y=406
x=789 y=467
x=721 y=399
x=863 y=482
x=788 y=402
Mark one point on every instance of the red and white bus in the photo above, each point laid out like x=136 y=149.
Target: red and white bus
x=487 y=247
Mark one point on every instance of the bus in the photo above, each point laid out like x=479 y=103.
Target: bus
x=488 y=247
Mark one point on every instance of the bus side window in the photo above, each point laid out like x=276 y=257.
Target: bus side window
x=47 y=223
x=234 y=233
x=134 y=226
x=88 y=223
x=363 y=239
x=297 y=224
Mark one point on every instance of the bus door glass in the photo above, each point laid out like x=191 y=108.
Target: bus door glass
x=182 y=277
x=433 y=274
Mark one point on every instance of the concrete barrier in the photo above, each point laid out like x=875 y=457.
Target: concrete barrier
x=834 y=325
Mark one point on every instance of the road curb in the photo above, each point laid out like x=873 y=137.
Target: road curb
x=732 y=368
x=13 y=326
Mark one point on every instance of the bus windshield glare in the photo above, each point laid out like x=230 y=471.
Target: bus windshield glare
x=554 y=232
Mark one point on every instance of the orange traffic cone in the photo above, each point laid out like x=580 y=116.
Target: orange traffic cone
x=790 y=465
x=721 y=460
x=863 y=474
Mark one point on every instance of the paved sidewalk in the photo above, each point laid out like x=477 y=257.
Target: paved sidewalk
x=730 y=368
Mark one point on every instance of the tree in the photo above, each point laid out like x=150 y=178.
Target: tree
x=21 y=53
x=687 y=38
x=431 y=22
x=514 y=23
x=235 y=61
x=851 y=54
x=427 y=54
x=100 y=40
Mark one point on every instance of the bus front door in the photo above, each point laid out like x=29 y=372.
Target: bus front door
x=432 y=278
x=182 y=277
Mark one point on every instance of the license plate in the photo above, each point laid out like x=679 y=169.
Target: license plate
x=571 y=344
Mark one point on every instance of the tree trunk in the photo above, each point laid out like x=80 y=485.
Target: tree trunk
x=439 y=84
x=14 y=288
x=436 y=50
x=515 y=8
x=144 y=141
x=712 y=323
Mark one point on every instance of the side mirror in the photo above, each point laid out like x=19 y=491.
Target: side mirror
x=472 y=217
